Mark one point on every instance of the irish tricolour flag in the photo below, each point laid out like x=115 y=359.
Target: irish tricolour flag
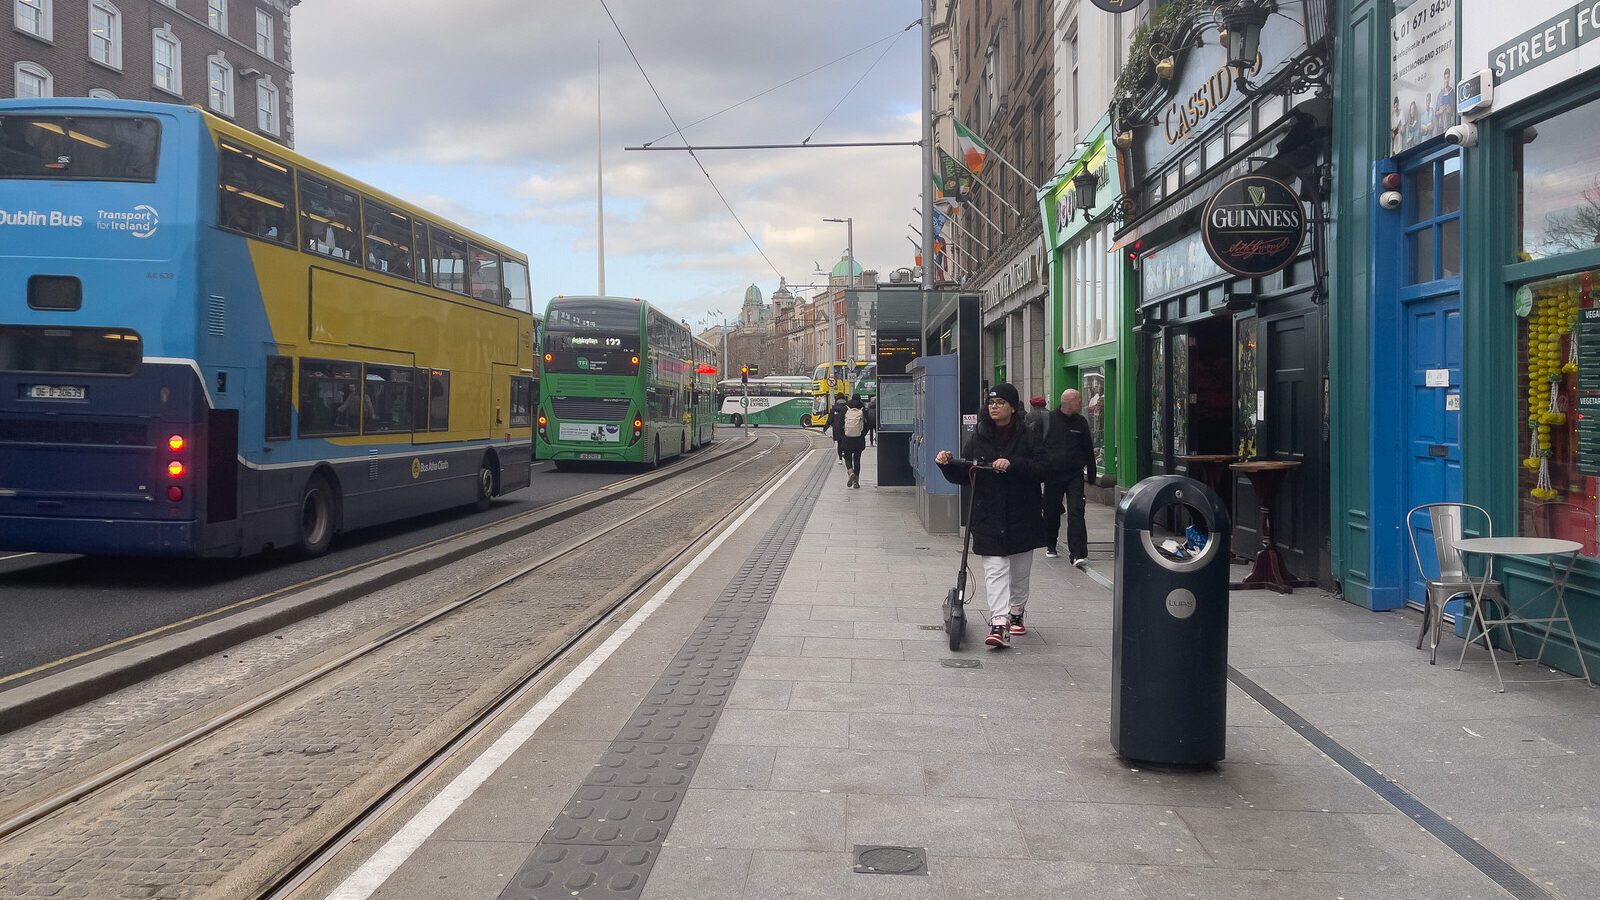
x=970 y=150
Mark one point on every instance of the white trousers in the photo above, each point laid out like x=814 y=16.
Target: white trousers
x=1006 y=578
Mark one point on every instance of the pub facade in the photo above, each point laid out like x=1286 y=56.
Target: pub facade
x=1224 y=167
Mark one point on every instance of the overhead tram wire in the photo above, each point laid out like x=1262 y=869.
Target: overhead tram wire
x=679 y=131
x=862 y=49
x=858 y=82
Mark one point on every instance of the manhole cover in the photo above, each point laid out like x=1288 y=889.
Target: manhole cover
x=891 y=860
x=961 y=663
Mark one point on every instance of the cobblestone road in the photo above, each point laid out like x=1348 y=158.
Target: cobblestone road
x=221 y=816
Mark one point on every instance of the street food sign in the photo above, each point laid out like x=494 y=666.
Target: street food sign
x=1541 y=44
x=1254 y=225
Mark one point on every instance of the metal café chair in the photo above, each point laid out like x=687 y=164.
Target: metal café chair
x=1451 y=581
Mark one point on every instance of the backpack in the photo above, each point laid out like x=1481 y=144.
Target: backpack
x=855 y=422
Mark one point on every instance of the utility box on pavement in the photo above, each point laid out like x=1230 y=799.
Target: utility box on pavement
x=1169 y=640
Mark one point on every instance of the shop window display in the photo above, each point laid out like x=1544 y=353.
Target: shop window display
x=1558 y=350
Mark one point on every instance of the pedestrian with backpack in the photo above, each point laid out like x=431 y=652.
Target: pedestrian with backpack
x=835 y=425
x=853 y=439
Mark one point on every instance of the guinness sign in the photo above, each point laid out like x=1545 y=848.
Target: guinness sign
x=1116 y=6
x=1253 y=226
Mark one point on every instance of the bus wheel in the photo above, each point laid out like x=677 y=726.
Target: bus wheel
x=562 y=465
x=655 y=458
x=736 y=420
x=317 y=508
x=685 y=449
x=486 y=482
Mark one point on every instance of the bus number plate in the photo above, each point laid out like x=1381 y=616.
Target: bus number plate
x=589 y=456
x=57 y=392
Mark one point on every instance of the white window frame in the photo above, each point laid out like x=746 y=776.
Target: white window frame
x=218 y=62
x=217 y=15
x=267 y=107
x=266 y=34
x=46 y=11
x=101 y=94
x=34 y=70
x=164 y=35
x=114 y=41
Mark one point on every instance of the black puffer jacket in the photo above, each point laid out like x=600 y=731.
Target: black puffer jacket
x=1006 y=509
x=1067 y=445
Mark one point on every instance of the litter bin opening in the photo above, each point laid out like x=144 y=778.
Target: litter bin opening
x=1188 y=544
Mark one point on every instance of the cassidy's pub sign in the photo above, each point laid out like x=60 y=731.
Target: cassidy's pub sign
x=1253 y=226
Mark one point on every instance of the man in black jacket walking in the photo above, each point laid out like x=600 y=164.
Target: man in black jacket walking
x=1069 y=460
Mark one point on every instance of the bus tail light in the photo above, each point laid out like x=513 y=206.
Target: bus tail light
x=175 y=469
x=638 y=430
x=544 y=424
x=176 y=443
x=174 y=493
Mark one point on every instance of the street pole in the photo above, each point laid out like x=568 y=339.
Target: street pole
x=927 y=144
x=599 y=175
x=850 y=320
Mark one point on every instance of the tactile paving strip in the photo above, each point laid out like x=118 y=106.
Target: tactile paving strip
x=606 y=839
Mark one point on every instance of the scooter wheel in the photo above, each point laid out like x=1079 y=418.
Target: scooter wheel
x=955 y=618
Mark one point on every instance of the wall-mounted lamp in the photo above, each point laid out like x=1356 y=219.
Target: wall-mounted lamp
x=1152 y=322
x=1085 y=185
x=1239 y=27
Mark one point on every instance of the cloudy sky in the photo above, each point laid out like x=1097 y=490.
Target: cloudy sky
x=484 y=111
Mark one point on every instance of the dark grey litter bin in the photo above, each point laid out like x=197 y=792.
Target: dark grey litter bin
x=1169 y=641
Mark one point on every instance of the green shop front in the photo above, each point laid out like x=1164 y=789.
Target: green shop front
x=1531 y=296
x=1090 y=305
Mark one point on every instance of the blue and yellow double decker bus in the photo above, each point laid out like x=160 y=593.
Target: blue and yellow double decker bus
x=829 y=383
x=617 y=383
x=212 y=345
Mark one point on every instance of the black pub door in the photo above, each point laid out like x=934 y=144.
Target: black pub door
x=1290 y=426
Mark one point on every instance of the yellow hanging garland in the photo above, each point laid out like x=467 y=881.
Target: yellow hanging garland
x=1551 y=355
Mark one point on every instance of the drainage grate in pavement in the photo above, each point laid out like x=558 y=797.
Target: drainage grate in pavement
x=876 y=860
x=961 y=663
x=607 y=838
x=931 y=627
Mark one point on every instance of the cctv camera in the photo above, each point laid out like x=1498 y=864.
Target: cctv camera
x=1389 y=200
x=1463 y=135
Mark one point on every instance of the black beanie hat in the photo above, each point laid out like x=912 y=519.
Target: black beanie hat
x=1005 y=391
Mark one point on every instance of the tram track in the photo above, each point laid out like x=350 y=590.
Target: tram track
x=34 y=694
x=306 y=863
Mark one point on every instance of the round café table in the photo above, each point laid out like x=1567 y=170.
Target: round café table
x=1549 y=549
x=1269 y=570
x=1211 y=470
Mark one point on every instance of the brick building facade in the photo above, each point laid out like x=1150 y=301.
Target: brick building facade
x=1004 y=52
x=231 y=57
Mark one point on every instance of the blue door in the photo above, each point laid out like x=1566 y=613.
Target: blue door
x=1431 y=344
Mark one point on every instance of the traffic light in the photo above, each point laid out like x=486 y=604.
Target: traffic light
x=744 y=374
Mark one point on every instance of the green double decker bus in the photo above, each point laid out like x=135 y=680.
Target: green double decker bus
x=618 y=385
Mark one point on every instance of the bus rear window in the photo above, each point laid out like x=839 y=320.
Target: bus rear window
x=72 y=351
x=84 y=148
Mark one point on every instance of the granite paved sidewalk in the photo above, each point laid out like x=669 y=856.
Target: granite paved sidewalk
x=847 y=729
